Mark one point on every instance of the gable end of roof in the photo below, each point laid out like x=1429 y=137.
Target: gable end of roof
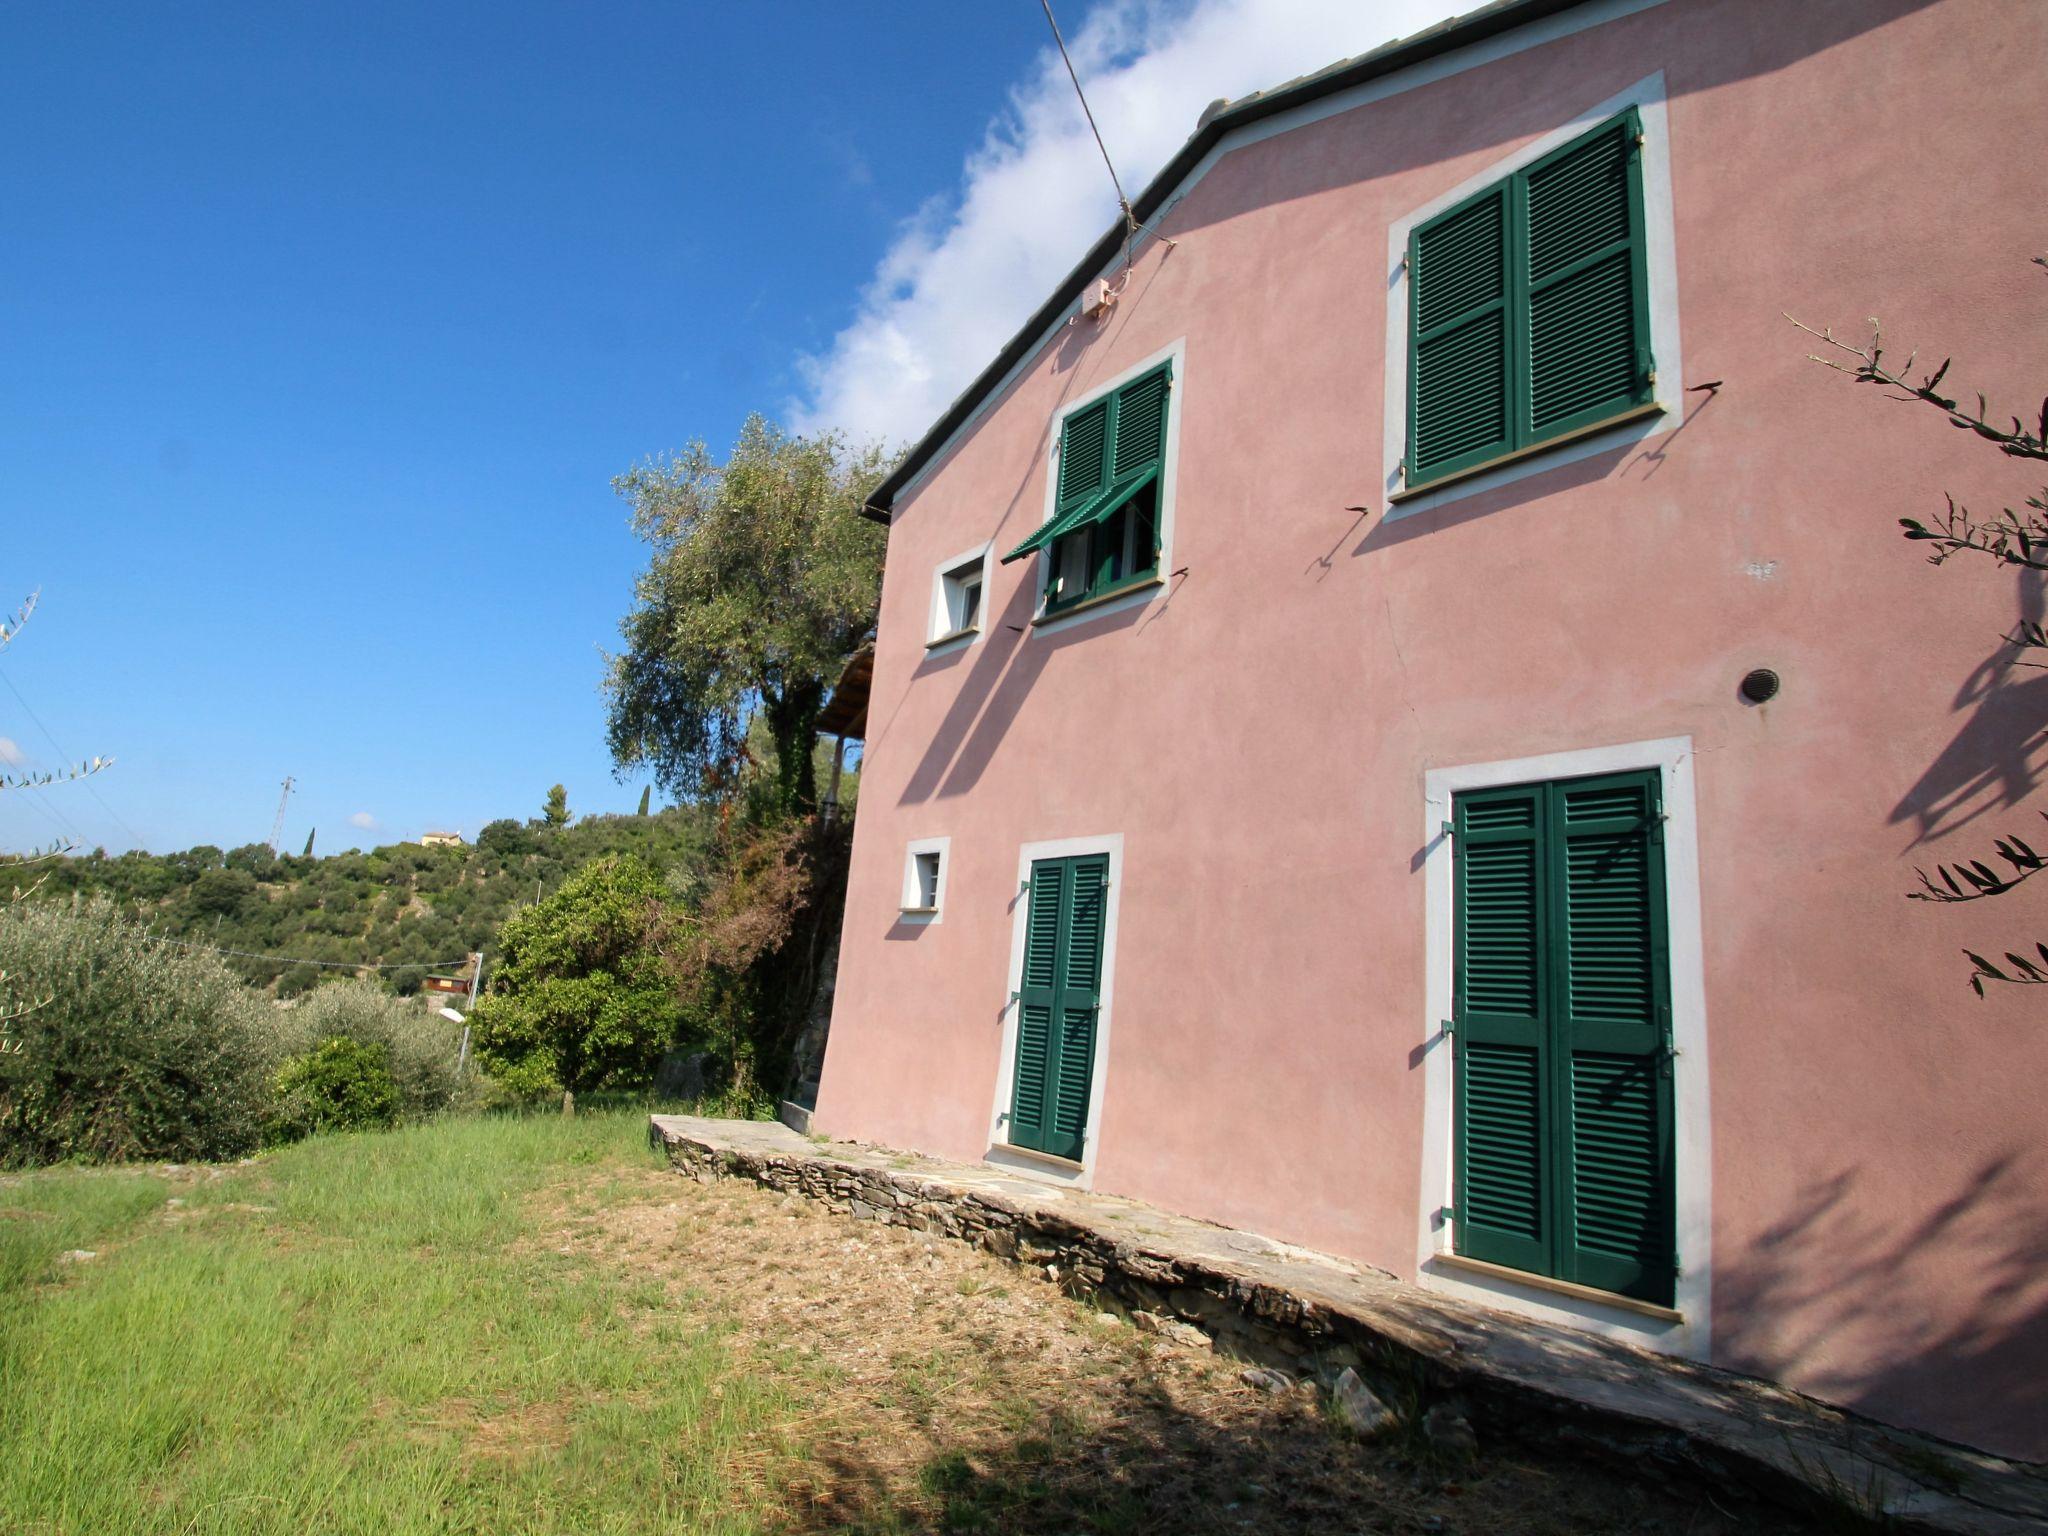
x=1218 y=121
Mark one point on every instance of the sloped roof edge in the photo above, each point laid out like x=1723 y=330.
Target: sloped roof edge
x=1452 y=32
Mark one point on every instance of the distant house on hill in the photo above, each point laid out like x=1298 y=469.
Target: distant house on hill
x=440 y=839
x=1376 y=746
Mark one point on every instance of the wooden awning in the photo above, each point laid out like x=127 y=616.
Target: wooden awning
x=846 y=712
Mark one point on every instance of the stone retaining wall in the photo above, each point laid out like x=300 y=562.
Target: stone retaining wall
x=1658 y=1417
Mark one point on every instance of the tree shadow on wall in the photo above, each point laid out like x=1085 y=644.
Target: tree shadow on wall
x=1827 y=1296
x=1994 y=761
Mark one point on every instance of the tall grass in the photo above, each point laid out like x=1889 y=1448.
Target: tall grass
x=355 y=1334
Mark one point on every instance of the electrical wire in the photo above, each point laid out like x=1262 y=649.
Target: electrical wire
x=66 y=757
x=335 y=965
x=1130 y=218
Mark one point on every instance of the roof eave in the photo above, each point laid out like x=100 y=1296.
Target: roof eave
x=1453 y=32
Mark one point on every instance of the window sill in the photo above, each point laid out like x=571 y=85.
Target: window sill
x=958 y=634
x=1633 y=413
x=1536 y=1282
x=917 y=911
x=1068 y=610
x=1066 y=1164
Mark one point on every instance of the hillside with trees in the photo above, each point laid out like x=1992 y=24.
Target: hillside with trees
x=402 y=905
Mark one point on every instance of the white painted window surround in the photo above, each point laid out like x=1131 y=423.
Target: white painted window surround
x=1015 y=1159
x=1692 y=1133
x=926 y=864
x=952 y=623
x=1660 y=253
x=1168 y=480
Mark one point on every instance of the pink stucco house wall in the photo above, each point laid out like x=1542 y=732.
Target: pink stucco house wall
x=1247 y=765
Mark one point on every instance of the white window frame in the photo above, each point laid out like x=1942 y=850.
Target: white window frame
x=1000 y=1152
x=1144 y=592
x=940 y=634
x=1660 y=256
x=1690 y=1334
x=913 y=909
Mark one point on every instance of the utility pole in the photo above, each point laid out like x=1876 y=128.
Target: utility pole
x=277 y=826
x=476 y=975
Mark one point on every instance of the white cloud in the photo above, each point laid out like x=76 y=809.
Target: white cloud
x=970 y=267
x=11 y=755
x=364 y=821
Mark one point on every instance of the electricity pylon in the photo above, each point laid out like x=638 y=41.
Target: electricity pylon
x=277 y=826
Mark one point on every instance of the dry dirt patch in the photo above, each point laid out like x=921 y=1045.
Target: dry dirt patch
x=941 y=1388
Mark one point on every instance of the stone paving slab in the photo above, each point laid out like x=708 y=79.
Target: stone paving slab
x=1267 y=1301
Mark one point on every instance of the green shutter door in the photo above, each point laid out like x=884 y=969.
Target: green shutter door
x=1581 y=262
x=1080 y=1000
x=1612 y=997
x=1502 y=1200
x=1459 y=411
x=1564 y=1158
x=1058 y=1005
x=1031 y=1085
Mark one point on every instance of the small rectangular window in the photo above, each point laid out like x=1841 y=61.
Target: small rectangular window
x=924 y=879
x=956 y=598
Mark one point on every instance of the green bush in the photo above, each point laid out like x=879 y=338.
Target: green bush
x=130 y=1049
x=581 y=1000
x=339 y=1085
x=420 y=1047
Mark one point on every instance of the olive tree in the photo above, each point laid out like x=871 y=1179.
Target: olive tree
x=13 y=1006
x=762 y=578
x=2008 y=538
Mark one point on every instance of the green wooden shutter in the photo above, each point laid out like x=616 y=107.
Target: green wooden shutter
x=1459 y=409
x=1080 y=1001
x=1140 y=426
x=1032 y=1077
x=1529 y=310
x=1565 y=1159
x=1613 y=1011
x=1503 y=1179
x=1058 y=1005
x=1084 y=455
x=1582 y=263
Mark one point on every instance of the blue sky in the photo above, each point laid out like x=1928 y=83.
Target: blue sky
x=327 y=326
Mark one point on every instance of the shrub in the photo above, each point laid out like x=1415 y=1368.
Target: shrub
x=339 y=1085
x=580 y=1000
x=419 y=1046
x=132 y=1050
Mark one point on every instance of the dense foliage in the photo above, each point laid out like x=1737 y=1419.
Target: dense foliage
x=129 y=1049
x=419 y=1048
x=400 y=905
x=762 y=579
x=339 y=1085
x=580 y=999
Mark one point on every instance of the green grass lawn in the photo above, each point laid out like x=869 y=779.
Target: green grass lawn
x=357 y=1334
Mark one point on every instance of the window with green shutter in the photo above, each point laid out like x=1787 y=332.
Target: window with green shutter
x=1528 y=309
x=1562 y=1033
x=1058 y=1003
x=1103 y=534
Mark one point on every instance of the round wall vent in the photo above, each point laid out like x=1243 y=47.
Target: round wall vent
x=1760 y=685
